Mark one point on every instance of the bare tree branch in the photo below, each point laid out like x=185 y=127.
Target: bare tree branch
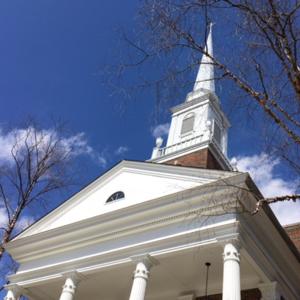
x=275 y=200
x=267 y=76
x=37 y=166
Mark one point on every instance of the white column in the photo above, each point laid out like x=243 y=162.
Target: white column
x=231 y=273
x=11 y=295
x=13 y=292
x=69 y=288
x=269 y=291
x=141 y=275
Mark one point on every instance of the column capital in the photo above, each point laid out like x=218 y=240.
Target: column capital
x=73 y=275
x=72 y=279
x=141 y=274
x=146 y=259
x=14 y=291
x=15 y=288
x=235 y=241
x=231 y=252
x=269 y=291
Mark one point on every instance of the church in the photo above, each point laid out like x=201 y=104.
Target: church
x=176 y=227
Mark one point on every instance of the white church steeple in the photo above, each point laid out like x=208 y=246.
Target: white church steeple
x=205 y=77
x=198 y=131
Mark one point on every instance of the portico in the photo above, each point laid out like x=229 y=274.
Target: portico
x=172 y=276
x=156 y=249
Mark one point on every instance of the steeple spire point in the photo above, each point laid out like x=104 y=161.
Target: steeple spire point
x=205 y=77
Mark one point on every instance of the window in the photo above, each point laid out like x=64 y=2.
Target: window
x=115 y=196
x=217 y=133
x=188 y=123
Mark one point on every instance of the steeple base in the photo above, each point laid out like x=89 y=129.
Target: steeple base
x=200 y=159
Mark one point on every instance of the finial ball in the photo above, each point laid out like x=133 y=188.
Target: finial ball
x=159 y=142
x=208 y=123
x=233 y=162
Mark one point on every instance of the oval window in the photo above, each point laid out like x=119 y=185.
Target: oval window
x=115 y=196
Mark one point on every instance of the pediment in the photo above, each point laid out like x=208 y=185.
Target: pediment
x=139 y=181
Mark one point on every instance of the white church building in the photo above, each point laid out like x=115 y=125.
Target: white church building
x=176 y=227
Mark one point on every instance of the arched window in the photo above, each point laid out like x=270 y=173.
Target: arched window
x=115 y=196
x=188 y=123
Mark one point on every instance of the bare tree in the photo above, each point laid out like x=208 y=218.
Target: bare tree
x=33 y=164
x=263 y=67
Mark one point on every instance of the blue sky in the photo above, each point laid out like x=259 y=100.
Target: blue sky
x=52 y=54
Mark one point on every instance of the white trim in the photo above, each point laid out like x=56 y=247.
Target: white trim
x=146 y=208
x=210 y=144
x=146 y=168
x=167 y=245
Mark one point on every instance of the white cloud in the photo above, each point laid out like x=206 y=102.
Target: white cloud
x=262 y=170
x=160 y=130
x=101 y=160
x=121 y=150
x=21 y=224
x=77 y=145
x=3 y=217
x=24 y=222
x=74 y=145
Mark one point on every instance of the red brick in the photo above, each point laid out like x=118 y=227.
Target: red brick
x=200 y=159
x=293 y=231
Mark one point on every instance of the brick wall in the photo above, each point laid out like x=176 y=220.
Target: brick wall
x=293 y=231
x=200 y=159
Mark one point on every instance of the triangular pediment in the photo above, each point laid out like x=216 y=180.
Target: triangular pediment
x=139 y=181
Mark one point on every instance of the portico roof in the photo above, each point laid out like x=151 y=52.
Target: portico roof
x=141 y=181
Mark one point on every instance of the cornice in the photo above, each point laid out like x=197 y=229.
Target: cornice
x=154 y=247
x=183 y=175
x=92 y=238
x=142 y=215
x=166 y=171
x=209 y=98
x=112 y=215
x=219 y=111
x=264 y=245
x=190 y=104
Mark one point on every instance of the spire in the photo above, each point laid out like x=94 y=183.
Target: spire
x=205 y=76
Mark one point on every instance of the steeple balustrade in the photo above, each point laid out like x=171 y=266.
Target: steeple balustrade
x=189 y=142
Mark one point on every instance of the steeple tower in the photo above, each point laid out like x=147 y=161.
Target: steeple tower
x=198 y=131
x=205 y=77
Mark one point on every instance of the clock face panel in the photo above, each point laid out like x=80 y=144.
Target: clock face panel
x=115 y=196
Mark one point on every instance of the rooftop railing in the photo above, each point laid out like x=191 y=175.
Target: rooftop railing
x=182 y=145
